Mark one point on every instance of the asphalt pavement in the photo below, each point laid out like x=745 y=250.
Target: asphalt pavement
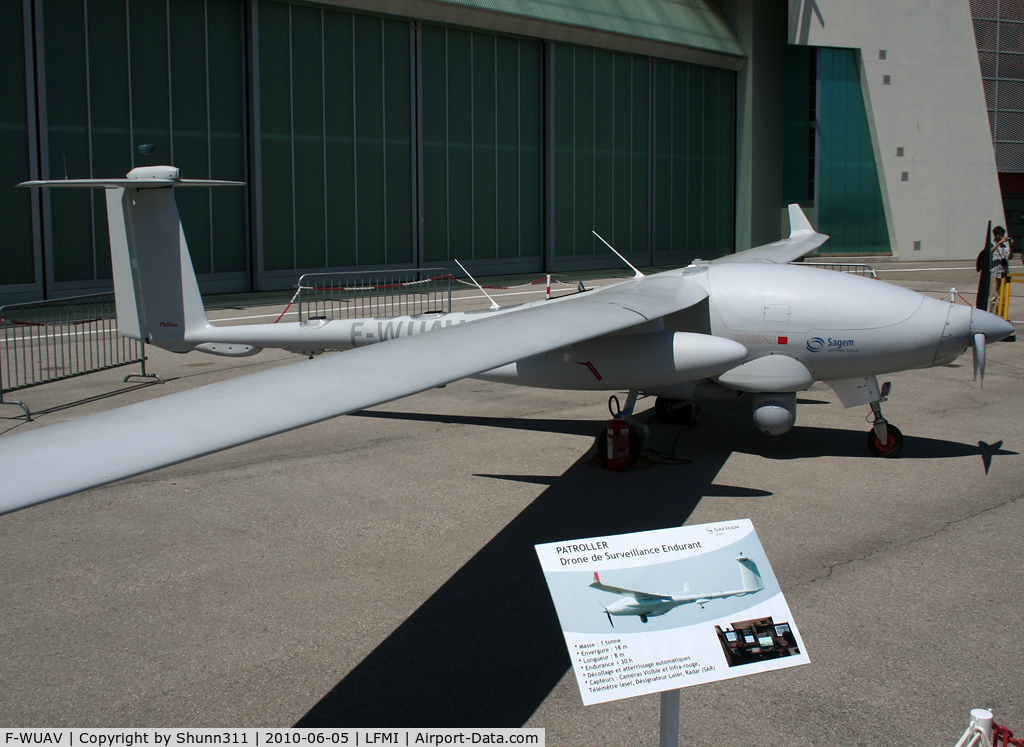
x=378 y=569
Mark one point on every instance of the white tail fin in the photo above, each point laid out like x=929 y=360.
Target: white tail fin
x=155 y=286
x=749 y=574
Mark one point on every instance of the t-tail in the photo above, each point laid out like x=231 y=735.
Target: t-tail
x=749 y=575
x=155 y=286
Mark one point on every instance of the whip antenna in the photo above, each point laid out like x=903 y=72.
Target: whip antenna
x=494 y=304
x=638 y=273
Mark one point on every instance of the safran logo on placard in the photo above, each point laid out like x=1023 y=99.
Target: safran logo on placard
x=815 y=344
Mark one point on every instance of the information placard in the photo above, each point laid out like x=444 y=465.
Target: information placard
x=653 y=611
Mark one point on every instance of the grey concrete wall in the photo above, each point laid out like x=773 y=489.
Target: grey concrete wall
x=760 y=27
x=933 y=107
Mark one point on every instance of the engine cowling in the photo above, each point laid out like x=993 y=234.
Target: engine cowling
x=775 y=412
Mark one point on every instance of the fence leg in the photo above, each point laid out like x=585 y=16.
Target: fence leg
x=28 y=413
x=142 y=373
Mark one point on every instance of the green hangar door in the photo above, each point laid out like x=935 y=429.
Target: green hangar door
x=142 y=72
x=481 y=150
x=335 y=159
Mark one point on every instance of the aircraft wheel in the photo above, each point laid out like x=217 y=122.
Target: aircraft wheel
x=643 y=618
x=892 y=447
x=673 y=411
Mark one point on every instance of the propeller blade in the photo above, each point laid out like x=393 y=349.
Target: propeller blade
x=979 y=358
x=609 y=618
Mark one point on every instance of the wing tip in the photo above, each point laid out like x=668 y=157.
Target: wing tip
x=798 y=223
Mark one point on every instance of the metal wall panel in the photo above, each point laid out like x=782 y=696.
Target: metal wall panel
x=694 y=161
x=18 y=254
x=336 y=141
x=113 y=80
x=373 y=142
x=599 y=157
x=481 y=149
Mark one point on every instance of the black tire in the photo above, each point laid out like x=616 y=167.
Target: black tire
x=673 y=411
x=890 y=449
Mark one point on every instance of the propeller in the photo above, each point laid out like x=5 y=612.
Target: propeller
x=979 y=357
x=984 y=266
x=609 y=615
x=985 y=327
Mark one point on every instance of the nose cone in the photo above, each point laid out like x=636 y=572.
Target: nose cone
x=990 y=325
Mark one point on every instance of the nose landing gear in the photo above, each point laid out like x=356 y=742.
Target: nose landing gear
x=884 y=440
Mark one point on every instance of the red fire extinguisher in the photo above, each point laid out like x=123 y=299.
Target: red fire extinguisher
x=618 y=445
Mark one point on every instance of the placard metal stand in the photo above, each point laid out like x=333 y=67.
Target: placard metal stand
x=669 y=719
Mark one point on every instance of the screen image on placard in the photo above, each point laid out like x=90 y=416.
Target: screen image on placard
x=659 y=610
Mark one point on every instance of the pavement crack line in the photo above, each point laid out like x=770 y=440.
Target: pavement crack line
x=913 y=541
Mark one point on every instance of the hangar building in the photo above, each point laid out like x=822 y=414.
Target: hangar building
x=409 y=133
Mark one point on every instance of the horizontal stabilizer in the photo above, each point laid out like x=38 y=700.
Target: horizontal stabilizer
x=147 y=177
x=142 y=183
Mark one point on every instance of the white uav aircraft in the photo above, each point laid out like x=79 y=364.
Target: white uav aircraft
x=746 y=323
x=644 y=604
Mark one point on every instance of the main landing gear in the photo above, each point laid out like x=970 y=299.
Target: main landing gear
x=884 y=440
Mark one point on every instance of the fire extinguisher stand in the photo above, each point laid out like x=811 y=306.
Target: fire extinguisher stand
x=617 y=436
x=669 y=719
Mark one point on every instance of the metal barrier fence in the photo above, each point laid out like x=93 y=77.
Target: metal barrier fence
x=353 y=295
x=46 y=341
x=854 y=269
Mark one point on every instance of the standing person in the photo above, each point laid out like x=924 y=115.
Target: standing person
x=1002 y=252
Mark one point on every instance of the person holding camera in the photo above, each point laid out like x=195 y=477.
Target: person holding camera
x=1002 y=253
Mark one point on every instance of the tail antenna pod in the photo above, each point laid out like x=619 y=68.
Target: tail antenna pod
x=494 y=304
x=637 y=273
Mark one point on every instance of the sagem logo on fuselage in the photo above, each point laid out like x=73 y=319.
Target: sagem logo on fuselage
x=832 y=345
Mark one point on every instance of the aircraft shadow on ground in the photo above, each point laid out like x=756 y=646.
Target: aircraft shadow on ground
x=485 y=649
x=728 y=430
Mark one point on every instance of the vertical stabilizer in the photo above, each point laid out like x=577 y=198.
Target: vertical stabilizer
x=749 y=575
x=154 y=282
x=155 y=285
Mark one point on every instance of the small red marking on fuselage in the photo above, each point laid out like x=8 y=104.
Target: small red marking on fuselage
x=593 y=370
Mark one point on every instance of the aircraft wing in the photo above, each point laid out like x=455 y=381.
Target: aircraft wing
x=68 y=457
x=645 y=596
x=803 y=240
